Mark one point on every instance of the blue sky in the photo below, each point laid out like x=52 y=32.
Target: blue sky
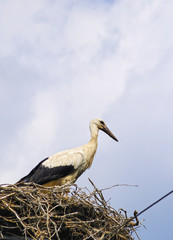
x=63 y=63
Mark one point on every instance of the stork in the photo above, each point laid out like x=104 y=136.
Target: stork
x=66 y=166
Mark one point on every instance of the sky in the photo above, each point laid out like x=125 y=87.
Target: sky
x=63 y=63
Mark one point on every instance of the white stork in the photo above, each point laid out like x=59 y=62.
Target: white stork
x=67 y=166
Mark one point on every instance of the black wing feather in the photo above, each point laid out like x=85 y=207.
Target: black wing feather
x=42 y=175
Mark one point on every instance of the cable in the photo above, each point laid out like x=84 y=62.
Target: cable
x=137 y=214
x=154 y=203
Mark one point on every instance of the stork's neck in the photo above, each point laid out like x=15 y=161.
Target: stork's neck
x=94 y=131
x=93 y=141
x=91 y=146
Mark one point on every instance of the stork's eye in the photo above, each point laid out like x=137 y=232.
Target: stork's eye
x=102 y=122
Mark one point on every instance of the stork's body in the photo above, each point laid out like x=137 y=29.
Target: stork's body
x=67 y=166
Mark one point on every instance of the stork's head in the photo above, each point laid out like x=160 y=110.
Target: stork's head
x=100 y=124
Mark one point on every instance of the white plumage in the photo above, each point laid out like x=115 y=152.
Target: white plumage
x=67 y=166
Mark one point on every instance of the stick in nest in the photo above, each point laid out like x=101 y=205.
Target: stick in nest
x=38 y=212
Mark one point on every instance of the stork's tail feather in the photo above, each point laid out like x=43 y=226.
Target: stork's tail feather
x=28 y=177
x=25 y=179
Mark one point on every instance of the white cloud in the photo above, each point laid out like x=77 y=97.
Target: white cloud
x=85 y=55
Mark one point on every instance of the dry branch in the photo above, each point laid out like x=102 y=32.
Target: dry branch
x=31 y=211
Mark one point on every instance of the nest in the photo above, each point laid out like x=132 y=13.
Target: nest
x=31 y=211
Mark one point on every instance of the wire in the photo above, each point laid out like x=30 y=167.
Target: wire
x=136 y=214
x=154 y=203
